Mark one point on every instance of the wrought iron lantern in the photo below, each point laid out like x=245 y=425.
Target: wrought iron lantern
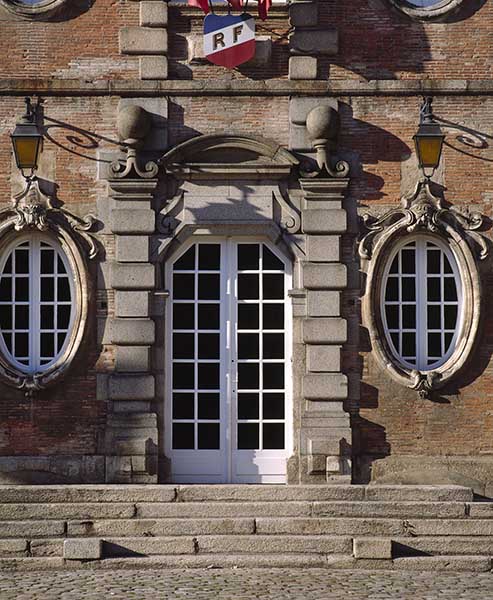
x=428 y=139
x=27 y=140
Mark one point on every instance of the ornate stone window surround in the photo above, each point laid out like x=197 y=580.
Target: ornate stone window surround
x=436 y=11
x=33 y=210
x=42 y=9
x=423 y=214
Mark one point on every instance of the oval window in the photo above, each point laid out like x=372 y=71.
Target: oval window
x=427 y=9
x=422 y=303
x=36 y=303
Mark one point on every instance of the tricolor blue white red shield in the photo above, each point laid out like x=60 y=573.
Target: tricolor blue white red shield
x=229 y=40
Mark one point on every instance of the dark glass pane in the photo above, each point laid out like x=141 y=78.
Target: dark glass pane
x=433 y=289
x=273 y=345
x=183 y=436
x=273 y=287
x=22 y=289
x=248 y=406
x=248 y=317
x=47 y=261
x=408 y=344
x=448 y=341
x=183 y=376
x=450 y=289
x=8 y=340
x=61 y=337
x=48 y=317
x=5 y=317
x=273 y=436
x=47 y=289
x=183 y=406
x=22 y=344
x=248 y=345
x=408 y=289
x=183 y=345
x=21 y=261
x=408 y=316
x=63 y=316
x=187 y=261
x=394 y=267
x=209 y=406
x=433 y=261
x=248 y=257
x=183 y=287
x=60 y=266
x=183 y=316
x=210 y=257
x=22 y=317
x=8 y=265
x=209 y=345
x=248 y=376
x=408 y=261
x=395 y=341
x=273 y=406
x=392 y=289
x=273 y=376
x=270 y=261
x=450 y=317
x=248 y=436
x=392 y=314
x=209 y=287
x=447 y=268
x=248 y=287
x=434 y=317
x=434 y=344
x=208 y=376
x=63 y=289
x=209 y=436
x=209 y=316
x=47 y=344
x=5 y=289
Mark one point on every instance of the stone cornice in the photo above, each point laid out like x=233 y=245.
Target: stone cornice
x=244 y=87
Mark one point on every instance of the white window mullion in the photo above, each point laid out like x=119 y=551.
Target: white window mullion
x=34 y=304
x=228 y=302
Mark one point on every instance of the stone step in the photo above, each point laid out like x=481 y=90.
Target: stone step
x=28 y=494
x=446 y=544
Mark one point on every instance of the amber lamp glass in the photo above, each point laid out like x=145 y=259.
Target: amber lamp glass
x=429 y=144
x=27 y=142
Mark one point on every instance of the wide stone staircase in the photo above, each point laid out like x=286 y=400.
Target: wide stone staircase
x=186 y=526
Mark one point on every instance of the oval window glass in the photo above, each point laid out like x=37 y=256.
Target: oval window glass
x=36 y=303
x=422 y=303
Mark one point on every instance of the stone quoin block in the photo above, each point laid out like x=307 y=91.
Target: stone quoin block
x=324 y=221
x=327 y=386
x=328 y=447
x=325 y=331
x=131 y=387
x=132 y=248
x=303 y=67
x=323 y=248
x=153 y=14
x=153 y=67
x=132 y=358
x=303 y=14
x=143 y=40
x=317 y=276
x=132 y=332
x=323 y=359
x=263 y=51
x=314 y=42
x=368 y=547
x=133 y=276
x=82 y=549
x=131 y=304
x=323 y=303
x=132 y=221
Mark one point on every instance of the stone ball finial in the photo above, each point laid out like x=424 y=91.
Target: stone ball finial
x=133 y=123
x=323 y=123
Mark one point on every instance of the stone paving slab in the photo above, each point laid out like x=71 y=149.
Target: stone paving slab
x=243 y=584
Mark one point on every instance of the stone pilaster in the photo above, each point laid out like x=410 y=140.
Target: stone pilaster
x=325 y=427
x=132 y=431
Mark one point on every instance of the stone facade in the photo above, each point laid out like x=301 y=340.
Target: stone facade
x=145 y=134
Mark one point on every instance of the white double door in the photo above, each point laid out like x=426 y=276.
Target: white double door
x=228 y=402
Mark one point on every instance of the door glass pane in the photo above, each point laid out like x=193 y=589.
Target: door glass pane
x=209 y=316
x=248 y=345
x=183 y=316
x=273 y=345
x=183 y=436
x=208 y=436
x=248 y=376
x=187 y=261
x=183 y=345
x=248 y=286
x=248 y=257
x=273 y=316
x=273 y=406
x=273 y=287
x=183 y=406
x=208 y=345
x=273 y=436
x=209 y=287
x=248 y=316
x=248 y=436
x=270 y=261
x=208 y=376
x=209 y=257
x=183 y=376
x=273 y=376
x=208 y=406
x=248 y=406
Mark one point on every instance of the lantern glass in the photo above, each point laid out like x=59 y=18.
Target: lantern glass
x=429 y=150
x=27 y=150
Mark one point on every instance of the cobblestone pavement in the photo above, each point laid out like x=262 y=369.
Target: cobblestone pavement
x=243 y=584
